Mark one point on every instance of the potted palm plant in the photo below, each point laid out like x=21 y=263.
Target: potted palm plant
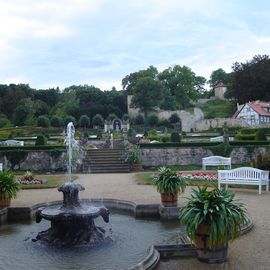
x=134 y=159
x=8 y=188
x=212 y=218
x=169 y=184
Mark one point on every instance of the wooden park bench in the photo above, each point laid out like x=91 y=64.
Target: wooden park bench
x=216 y=161
x=244 y=176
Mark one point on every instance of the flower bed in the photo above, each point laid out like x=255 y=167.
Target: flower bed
x=29 y=179
x=199 y=175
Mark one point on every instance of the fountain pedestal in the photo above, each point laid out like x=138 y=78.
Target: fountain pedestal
x=72 y=224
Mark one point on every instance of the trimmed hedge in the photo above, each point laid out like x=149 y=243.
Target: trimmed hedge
x=33 y=147
x=201 y=144
x=266 y=130
x=172 y=144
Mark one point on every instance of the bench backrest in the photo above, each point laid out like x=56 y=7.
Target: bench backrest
x=247 y=173
x=1 y=167
x=217 y=160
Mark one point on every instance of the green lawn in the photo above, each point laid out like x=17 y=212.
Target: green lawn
x=217 y=109
x=52 y=181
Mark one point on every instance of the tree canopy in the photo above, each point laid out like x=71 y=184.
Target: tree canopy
x=251 y=80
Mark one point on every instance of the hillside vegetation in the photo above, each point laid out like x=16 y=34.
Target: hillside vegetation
x=217 y=109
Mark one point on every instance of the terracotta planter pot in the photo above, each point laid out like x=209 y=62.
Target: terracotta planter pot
x=136 y=167
x=218 y=254
x=3 y=201
x=169 y=200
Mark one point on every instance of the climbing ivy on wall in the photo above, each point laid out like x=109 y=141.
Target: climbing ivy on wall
x=224 y=149
x=15 y=157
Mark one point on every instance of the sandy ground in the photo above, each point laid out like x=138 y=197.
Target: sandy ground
x=250 y=251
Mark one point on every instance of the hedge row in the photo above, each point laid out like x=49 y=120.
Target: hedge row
x=201 y=144
x=33 y=147
x=247 y=131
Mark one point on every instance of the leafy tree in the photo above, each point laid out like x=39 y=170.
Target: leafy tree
x=130 y=81
x=219 y=75
x=139 y=119
x=50 y=96
x=4 y=122
x=182 y=83
x=20 y=114
x=111 y=116
x=251 y=80
x=40 y=108
x=147 y=94
x=56 y=121
x=43 y=121
x=169 y=101
x=152 y=120
x=174 y=118
x=70 y=118
x=98 y=120
x=84 y=121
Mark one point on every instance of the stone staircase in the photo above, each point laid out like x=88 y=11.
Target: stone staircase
x=106 y=160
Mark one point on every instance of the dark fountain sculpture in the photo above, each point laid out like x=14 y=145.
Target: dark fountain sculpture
x=72 y=224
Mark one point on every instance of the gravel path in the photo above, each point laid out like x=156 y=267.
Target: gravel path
x=250 y=251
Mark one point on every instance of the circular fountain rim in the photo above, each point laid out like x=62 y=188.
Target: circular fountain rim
x=138 y=210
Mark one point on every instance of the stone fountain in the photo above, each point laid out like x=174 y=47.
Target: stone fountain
x=72 y=224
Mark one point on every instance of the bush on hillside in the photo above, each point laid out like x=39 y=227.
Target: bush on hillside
x=174 y=118
x=98 y=120
x=139 y=119
x=41 y=140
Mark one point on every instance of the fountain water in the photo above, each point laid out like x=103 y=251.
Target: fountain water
x=72 y=224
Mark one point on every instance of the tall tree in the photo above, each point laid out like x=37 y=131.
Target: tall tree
x=219 y=75
x=182 y=83
x=147 y=93
x=251 y=80
x=130 y=81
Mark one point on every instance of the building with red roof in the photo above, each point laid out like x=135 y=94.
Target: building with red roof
x=254 y=113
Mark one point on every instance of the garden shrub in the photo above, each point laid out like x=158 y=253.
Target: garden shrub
x=56 y=121
x=98 y=120
x=139 y=119
x=41 y=140
x=222 y=149
x=152 y=120
x=174 y=118
x=70 y=118
x=153 y=138
x=260 y=135
x=125 y=117
x=152 y=132
x=262 y=162
x=175 y=137
x=245 y=137
x=165 y=139
x=43 y=121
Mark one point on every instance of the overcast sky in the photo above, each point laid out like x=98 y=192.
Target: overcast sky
x=49 y=43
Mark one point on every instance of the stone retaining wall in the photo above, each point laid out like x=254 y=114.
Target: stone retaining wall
x=193 y=155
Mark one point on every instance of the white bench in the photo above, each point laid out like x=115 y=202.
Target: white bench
x=1 y=167
x=244 y=176
x=216 y=161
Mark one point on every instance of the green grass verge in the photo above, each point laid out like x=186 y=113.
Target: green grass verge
x=52 y=181
x=217 y=109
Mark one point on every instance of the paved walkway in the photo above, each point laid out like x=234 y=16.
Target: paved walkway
x=250 y=251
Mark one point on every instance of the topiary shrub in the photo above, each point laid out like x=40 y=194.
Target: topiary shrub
x=175 y=137
x=43 y=121
x=165 y=139
x=125 y=117
x=98 y=120
x=84 y=121
x=174 y=118
x=152 y=120
x=70 y=118
x=41 y=140
x=260 y=135
x=139 y=119
x=56 y=121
